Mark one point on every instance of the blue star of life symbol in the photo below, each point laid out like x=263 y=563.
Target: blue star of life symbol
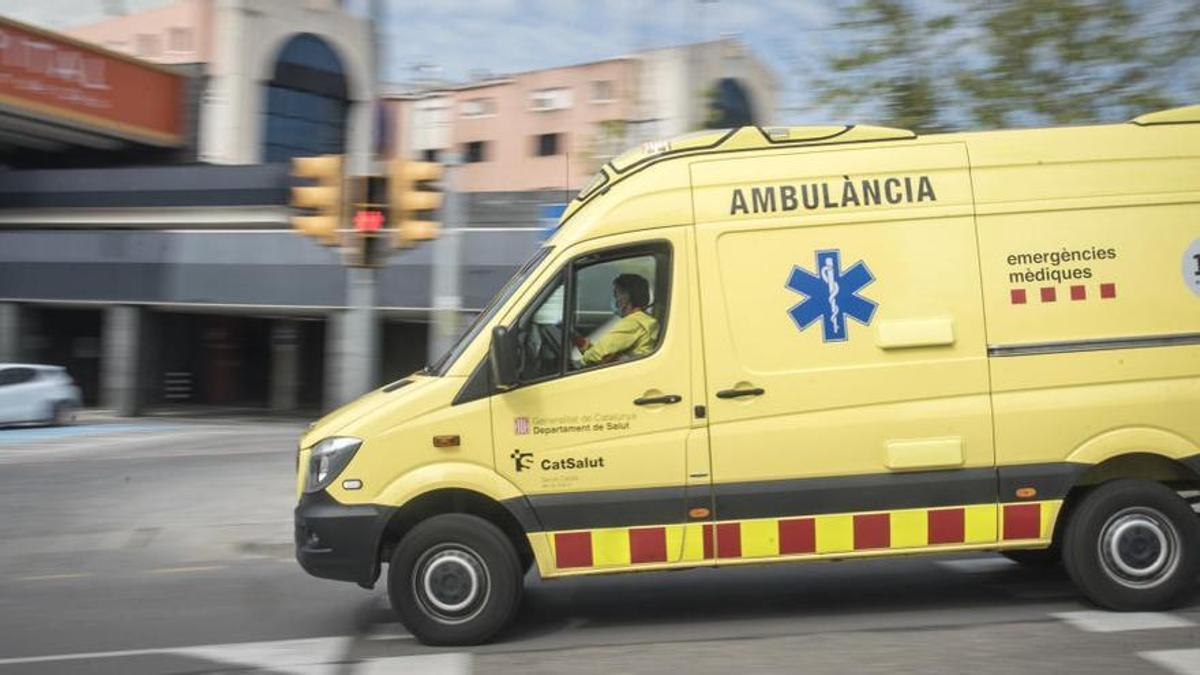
x=831 y=295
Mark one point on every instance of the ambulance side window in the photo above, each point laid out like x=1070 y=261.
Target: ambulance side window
x=618 y=306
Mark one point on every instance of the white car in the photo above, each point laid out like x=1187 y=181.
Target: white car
x=33 y=393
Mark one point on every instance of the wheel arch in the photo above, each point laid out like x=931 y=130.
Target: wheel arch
x=511 y=516
x=1174 y=462
x=1116 y=443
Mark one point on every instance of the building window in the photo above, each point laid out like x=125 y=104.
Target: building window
x=431 y=155
x=474 y=152
x=307 y=100
x=603 y=91
x=479 y=107
x=558 y=98
x=179 y=39
x=147 y=44
x=545 y=145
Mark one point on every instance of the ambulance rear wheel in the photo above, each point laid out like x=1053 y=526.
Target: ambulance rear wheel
x=455 y=579
x=1133 y=545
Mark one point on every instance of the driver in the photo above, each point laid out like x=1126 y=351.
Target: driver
x=634 y=334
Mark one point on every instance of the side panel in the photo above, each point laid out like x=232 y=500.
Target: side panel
x=844 y=284
x=839 y=535
x=1091 y=291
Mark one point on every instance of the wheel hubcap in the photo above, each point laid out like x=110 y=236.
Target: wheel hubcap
x=451 y=583
x=1139 y=547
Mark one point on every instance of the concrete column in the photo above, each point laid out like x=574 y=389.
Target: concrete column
x=121 y=360
x=446 y=281
x=285 y=364
x=352 y=341
x=10 y=332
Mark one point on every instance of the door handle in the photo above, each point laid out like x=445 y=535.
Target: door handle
x=738 y=393
x=653 y=400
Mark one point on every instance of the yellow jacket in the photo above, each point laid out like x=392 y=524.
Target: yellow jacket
x=634 y=334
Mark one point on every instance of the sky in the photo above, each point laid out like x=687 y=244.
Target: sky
x=456 y=39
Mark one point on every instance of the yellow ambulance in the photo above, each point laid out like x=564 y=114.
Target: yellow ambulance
x=808 y=343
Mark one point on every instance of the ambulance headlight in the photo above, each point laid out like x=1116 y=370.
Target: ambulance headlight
x=327 y=460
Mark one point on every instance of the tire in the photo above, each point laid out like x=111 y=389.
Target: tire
x=1035 y=558
x=62 y=414
x=1133 y=545
x=455 y=579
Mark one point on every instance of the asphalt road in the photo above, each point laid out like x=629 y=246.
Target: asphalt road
x=164 y=546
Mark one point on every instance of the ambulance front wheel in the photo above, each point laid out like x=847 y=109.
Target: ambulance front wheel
x=1133 y=545
x=455 y=579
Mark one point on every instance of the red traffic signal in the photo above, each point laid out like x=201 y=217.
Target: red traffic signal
x=368 y=220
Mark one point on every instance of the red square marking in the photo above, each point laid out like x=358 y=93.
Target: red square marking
x=729 y=540
x=1108 y=290
x=946 y=526
x=573 y=549
x=708 y=541
x=1022 y=521
x=1049 y=294
x=873 y=530
x=1079 y=292
x=1018 y=296
x=648 y=544
x=797 y=535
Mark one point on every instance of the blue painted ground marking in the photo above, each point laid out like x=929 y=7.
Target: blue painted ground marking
x=10 y=435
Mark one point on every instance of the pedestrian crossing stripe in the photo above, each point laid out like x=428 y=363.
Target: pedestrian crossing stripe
x=826 y=535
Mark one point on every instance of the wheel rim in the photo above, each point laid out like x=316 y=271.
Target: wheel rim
x=1139 y=547
x=451 y=583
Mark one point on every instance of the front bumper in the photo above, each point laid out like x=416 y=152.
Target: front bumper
x=339 y=541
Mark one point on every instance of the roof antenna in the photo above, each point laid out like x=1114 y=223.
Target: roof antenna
x=567 y=181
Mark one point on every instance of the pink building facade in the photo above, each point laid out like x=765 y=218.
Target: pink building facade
x=552 y=129
x=180 y=32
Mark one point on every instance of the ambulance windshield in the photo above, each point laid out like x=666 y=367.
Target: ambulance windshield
x=439 y=367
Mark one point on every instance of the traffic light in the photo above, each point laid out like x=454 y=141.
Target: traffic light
x=324 y=204
x=368 y=247
x=412 y=197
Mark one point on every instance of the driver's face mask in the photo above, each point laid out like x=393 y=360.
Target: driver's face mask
x=616 y=306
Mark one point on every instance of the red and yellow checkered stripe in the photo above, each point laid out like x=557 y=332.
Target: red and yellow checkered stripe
x=878 y=532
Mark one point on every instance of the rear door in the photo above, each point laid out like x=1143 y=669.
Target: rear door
x=19 y=400
x=846 y=362
x=8 y=403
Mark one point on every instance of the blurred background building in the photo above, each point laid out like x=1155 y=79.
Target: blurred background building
x=144 y=234
x=552 y=129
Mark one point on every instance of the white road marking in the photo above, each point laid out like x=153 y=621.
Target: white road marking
x=1179 y=661
x=280 y=656
x=54 y=577
x=311 y=656
x=426 y=664
x=186 y=570
x=275 y=655
x=978 y=565
x=1094 y=621
x=80 y=656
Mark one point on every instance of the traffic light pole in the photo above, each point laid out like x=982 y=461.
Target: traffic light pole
x=446 y=273
x=355 y=338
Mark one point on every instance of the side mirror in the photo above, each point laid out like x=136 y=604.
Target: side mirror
x=503 y=357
